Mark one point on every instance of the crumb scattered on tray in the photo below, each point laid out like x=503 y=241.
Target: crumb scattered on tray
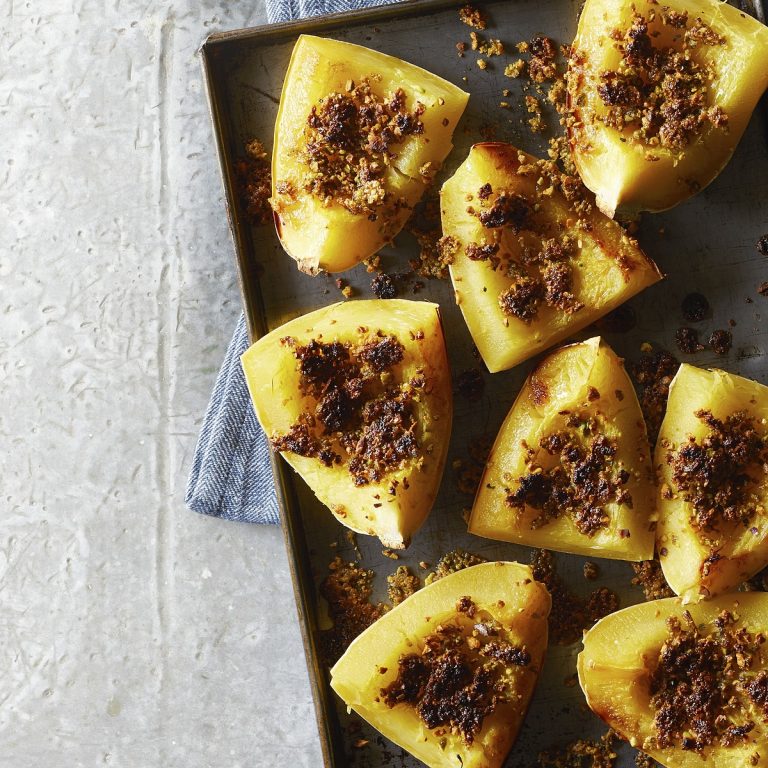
x=721 y=341
x=652 y=375
x=451 y=562
x=762 y=289
x=650 y=578
x=347 y=588
x=253 y=178
x=687 y=340
x=384 y=286
x=470 y=384
x=591 y=571
x=571 y=615
x=762 y=245
x=472 y=17
x=583 y=753
x=468 y=470
x=402 y=584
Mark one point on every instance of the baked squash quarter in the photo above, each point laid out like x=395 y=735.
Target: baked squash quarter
x=687 y=686
x=659 y=96
x=358 y=138
x=533 y=260
x=571 y=468
x=357 y=398
x=712 y=464
x=448 y=674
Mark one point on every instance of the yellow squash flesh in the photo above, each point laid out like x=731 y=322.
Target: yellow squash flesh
x=503 y=591
x=742 y=550
x=608 y=267
x=274 y=383
x=620 y=654
x=323 y=234
x=562 y=384
x=624 y=172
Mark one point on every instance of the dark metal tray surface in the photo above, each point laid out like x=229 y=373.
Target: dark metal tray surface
x=707 y=244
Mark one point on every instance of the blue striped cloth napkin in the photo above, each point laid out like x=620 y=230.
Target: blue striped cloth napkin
x=231 y=477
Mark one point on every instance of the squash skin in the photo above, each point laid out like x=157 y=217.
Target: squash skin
x=356 y=679
x=599 y=280
x=329 y=237
x=561 y=382
x=617 y=171
x=682 y=554
x=614 y=677
x=273 y=381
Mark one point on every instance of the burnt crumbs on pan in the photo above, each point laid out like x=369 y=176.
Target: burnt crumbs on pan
x=362 y=417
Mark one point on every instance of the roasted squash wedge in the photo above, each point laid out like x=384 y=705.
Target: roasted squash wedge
x=357 y=397
x=659 y=96
x=359 y=136
x=448 y=674
x=533 y=260
x=687 y=686
x=712 y=463
x=571 y=469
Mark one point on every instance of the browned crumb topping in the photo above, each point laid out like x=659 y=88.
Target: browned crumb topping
x=661 y=94
x=653 y=374
x=687 y=340
x=721 y=341
x=583 y=754
x=349 y=146
x=544 y=275
x=362 y=417
x=702 y=678
x=650 y=578
x=695 y=307
x=451 y=562
x=644 y=761
x=718 y=476
x=585 y=478
x=471 y=384
x=253 y=177
x=469 y=470
x=465 y=670
x=570 y=614
x=347 y=588
x=402 y=584
x=437 y=251
x=383 y=286
x=472 y=17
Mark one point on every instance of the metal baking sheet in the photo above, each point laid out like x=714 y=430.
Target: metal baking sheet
x=707 y=245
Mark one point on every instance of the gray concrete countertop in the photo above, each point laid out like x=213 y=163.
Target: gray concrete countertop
x=132 y=631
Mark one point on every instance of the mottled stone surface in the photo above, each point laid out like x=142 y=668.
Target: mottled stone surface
x=132 y=632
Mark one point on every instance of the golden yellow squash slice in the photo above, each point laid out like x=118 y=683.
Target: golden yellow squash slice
x=689 y=687
x=571 y=469
x=359 y=136
x=357 y=397
x=448 y=673
x=660 y=94
x=712 y=464
x=534 y=260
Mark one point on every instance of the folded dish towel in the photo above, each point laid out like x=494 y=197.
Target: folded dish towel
x=231 y=476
